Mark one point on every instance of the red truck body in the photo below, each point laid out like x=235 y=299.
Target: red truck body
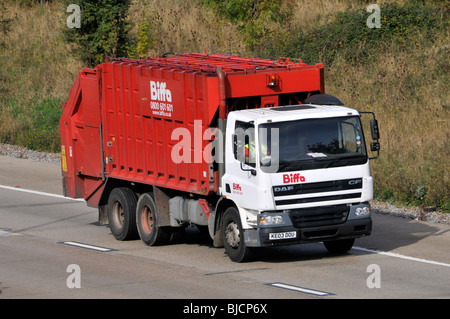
x=119 y=117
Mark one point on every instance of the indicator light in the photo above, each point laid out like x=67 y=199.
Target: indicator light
x=362 y=211
x=270 y=220
x=272 y=80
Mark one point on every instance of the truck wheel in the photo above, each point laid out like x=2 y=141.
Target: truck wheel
x=233 y=236
x=339 y=246
x=147 y=222
x=122 y=213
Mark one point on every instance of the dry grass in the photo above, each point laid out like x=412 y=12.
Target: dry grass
x=309 y=14
x=185 y=26
x=408 y=90
x=37 y=72
x=35 y=53
x=411 y=102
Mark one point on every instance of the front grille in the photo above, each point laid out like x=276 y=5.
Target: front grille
x=316 y=199
x=320 y=216
x=349 y=189
x=309 y=188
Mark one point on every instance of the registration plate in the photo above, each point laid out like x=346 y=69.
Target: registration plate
x=284 y=235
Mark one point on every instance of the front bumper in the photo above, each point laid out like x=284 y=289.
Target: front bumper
x=353 y=227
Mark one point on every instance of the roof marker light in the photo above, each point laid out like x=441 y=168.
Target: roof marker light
x=272 y=80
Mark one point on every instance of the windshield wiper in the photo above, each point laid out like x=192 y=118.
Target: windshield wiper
x=290 y=165
x=342 y=160
x=328 y=161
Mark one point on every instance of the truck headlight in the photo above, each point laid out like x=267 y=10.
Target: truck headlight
x=271 y=220
x=362 y=211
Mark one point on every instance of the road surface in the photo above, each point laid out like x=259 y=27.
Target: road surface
x=41 y=257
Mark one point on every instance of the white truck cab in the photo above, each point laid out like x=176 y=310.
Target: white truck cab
x=296 y=174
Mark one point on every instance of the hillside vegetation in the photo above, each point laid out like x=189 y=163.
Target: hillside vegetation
x=400 y=70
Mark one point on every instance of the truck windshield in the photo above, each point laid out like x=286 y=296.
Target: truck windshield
x=311 y=144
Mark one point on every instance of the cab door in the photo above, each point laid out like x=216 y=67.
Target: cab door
x=243 y=182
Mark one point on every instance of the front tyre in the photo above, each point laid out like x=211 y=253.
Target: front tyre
x=233 y=236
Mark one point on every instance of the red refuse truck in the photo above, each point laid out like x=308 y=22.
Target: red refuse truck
x=250 y=150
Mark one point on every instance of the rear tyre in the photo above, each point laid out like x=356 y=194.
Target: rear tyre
x=122 y=213
x=233 y=236
x=147 y=222
x=339 y=246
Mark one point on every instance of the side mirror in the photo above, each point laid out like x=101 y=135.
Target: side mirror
x=374 y=129
x=375 y=147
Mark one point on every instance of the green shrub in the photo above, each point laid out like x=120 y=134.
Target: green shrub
x=34 y=124
x=103 y=32
x=43 y=131
x=348 y=35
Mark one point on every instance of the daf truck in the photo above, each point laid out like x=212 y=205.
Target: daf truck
x=251 y=151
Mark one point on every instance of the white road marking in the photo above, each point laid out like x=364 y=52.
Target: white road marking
x=300 y=289
x=4 y=233
x=354 y=247
x=18 y=189
x=86 y=246
x=379 y=252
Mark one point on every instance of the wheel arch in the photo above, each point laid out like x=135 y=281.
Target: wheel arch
x=215 y=228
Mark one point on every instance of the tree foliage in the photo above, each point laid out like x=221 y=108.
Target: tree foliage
x=103 y=32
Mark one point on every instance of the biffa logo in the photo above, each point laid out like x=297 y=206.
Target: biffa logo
x=293 y=178
x=161 y=99
x=158 y=92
